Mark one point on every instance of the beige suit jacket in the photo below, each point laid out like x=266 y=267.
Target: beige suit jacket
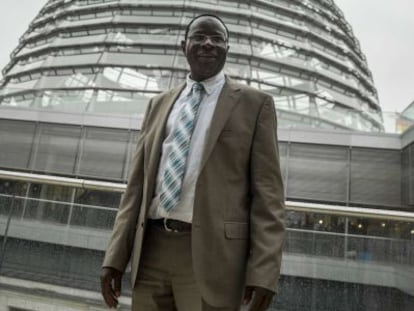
x=238 y=231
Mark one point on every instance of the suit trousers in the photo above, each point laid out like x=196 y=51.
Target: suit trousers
x=165 y=280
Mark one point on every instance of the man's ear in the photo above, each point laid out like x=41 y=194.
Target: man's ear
x=183 y=46
x=228 y=47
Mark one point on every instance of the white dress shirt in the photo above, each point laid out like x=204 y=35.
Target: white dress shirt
x=184 y=209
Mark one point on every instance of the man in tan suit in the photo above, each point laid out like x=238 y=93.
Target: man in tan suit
x=208 y=234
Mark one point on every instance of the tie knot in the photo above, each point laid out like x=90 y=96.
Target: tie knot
x=197 y=87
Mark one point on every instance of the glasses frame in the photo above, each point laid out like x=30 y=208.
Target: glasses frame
x=215 y=39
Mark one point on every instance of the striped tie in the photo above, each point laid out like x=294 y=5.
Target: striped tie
x=176 y=160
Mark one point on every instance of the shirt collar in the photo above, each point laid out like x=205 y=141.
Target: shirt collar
x=209 y=84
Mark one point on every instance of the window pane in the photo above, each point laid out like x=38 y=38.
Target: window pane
x=318 y=173
x=97 y=198
x=104 y=152
x=58 y=145
x=376 y=177
x=16 y=140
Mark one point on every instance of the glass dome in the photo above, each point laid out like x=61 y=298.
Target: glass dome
x=111 y=56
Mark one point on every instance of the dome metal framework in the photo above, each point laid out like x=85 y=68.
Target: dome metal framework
x=111 y=56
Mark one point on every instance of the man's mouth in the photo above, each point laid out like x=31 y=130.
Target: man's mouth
x=206 y=59
x=206 y=56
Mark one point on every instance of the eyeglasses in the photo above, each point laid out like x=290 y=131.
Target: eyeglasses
x=216 y=39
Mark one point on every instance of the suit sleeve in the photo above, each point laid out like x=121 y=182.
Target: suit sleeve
x=267 y=203
x=121 y=241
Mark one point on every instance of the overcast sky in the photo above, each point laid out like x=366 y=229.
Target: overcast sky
x=384 y=28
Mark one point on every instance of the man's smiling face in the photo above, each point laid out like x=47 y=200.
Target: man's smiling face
x=206 y=47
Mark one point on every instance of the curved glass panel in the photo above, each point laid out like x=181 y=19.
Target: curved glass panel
x=79 y=56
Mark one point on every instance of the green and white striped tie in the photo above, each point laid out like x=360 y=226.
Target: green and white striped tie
x=177 y=158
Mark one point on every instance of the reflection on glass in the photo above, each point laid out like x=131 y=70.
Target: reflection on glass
x=97 y=198
x=57 y=148
x=350 y=238
x=12 y=187
x=92 y=217
x=16 y=142
x=76 y=100
x=79 y=80
x=52 y=264
x=8 y=205
x=103 y=153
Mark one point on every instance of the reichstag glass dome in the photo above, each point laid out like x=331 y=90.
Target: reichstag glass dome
x=110 y=56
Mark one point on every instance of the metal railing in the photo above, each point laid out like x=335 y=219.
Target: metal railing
x=337 y=210
x=62 y=223
x=79 y=228
x=37 y=234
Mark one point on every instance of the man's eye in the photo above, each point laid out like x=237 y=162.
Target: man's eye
x=217 y=39
x=198 y=38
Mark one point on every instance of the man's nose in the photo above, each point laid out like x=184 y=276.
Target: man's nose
x=208 y=41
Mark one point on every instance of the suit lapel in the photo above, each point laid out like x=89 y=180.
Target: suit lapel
x=228 y=98
x=153 y=146
x=164 y=106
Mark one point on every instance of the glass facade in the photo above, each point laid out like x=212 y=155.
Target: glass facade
x=111 y=56
x=319 y=171
x=405 y=120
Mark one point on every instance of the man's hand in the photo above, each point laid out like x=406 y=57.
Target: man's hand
x=111 y=286
x=262 y=298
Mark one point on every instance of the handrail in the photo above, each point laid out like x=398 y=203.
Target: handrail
x=62 y=203
x=350 y=211
x=63 y=181
x=337 y=210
